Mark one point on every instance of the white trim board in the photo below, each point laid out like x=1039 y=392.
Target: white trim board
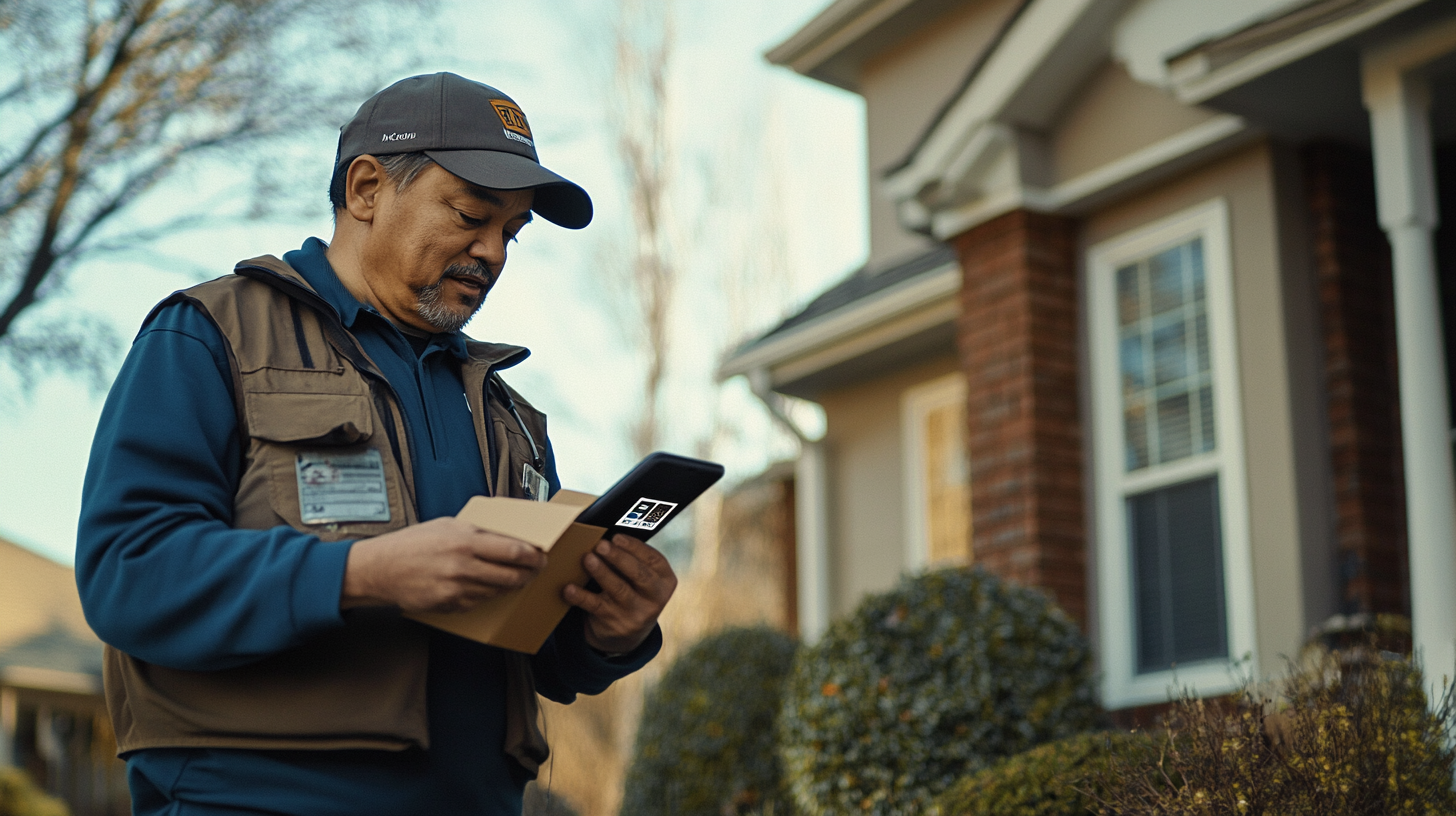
x=1121 y=685
x=1080 y=193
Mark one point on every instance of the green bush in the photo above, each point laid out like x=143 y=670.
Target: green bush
x=706 y=741
x=925 y=684
x=1348 y=736
x=19 y=796
x=1054 y=779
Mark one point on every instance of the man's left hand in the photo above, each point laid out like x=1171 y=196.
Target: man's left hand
x=635 y=581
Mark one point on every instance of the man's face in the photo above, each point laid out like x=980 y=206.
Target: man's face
x=435 y=249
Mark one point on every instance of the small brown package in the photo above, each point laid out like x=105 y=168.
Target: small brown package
x=522 y=619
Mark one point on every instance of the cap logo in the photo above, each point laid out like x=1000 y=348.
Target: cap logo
x=397 y=137
x=511 y=116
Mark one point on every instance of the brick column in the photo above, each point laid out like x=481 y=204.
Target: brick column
x=1018 y=347
x=1357 y=313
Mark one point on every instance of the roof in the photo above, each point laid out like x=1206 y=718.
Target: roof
x=875 y=320
x=56 y=649
x=44 y=639
x=862 y=284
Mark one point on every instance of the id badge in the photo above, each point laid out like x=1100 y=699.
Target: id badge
x=534 y=484
x=335 y=488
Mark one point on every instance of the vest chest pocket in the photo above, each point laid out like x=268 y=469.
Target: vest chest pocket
x=315 y=457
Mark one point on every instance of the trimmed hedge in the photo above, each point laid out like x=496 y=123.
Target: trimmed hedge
x=1049 y=780
x=706 y=741
x=936 y=679
x=1350 y=735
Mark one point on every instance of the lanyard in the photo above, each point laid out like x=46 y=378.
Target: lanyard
x=505 y=395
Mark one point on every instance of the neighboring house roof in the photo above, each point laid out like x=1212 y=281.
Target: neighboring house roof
x=44 y=639
x=918 y=292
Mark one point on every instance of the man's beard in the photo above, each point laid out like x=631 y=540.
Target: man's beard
x=433 y=306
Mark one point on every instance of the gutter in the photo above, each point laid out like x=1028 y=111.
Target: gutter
x=811 y=512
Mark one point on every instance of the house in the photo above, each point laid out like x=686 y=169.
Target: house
x=53 y=720
x=1155 y=317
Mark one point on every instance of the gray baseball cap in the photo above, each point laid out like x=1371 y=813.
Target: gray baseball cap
x=468 y=128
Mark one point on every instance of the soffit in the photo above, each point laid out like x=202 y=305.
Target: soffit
x=834 y=45
x=1269 y=72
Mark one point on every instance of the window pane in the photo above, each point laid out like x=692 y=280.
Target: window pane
x=1134 y=364
x=1129 y=298
x=1167 y=272
x=1164 y=362
x=1170 y=353
x=1175 y=437
x=1205 y=419
x=1135 y=426
x=947 y=486
x=1177 y=549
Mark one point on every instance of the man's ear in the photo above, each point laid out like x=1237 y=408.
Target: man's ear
x=362 y=186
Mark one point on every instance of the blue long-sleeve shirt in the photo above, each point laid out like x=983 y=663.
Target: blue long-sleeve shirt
x=165 y=578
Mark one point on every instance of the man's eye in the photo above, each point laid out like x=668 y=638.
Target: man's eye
x=473 y=223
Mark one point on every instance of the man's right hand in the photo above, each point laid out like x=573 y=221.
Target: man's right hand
x=444 y=565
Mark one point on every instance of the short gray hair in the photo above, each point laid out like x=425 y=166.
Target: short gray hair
x=400 y=168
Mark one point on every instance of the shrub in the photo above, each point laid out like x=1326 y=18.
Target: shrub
x=1352 y=737
x=705 y=743
x=1055 y=779
x=19 y=796
x=924 y=684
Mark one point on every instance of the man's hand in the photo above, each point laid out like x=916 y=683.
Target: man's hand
x=636 y=582
x=444 y=565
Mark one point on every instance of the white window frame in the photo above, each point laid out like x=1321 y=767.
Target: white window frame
x=1122 y=686
x=916 y=403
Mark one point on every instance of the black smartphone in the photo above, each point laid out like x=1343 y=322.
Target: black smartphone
x=651 y=495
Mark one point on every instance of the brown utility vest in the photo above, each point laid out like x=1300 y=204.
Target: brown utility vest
x=302 y=383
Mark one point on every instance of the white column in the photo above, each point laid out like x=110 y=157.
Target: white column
x=1398 y=98
x=811 y=520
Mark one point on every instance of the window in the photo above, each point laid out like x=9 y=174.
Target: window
x=937 y=481
x=1173 y=562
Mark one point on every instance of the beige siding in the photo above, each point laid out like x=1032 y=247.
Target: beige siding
x=903 y=88
x=1112 y=116
x=867 y=522
x=1271 y=407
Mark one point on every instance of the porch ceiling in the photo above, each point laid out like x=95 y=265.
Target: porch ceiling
x=1315 y=96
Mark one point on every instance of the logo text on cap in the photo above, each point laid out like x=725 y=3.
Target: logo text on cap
x=511 y=116
x=397 y=137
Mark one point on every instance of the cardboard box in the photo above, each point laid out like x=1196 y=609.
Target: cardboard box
x=522 y=619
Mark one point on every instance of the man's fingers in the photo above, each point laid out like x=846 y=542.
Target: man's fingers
x=590 y=602
x=613 y=584
x=495 y=576
x=642 y=566
x=495 y=548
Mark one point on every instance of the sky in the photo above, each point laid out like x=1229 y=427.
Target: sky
x=767 y=210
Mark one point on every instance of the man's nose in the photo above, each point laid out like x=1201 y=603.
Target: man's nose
x=489 y=249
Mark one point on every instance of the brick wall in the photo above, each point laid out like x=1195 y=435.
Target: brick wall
x=1017 y=340
x=1357 y=312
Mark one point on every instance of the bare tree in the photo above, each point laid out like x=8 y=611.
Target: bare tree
x=639 y=120
x=102 y=99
